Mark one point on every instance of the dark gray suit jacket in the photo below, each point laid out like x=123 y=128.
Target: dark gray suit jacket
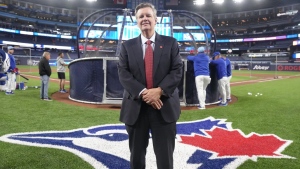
x=167 y=74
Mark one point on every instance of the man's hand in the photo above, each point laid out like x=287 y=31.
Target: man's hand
x=152 y=97
x=157 y=105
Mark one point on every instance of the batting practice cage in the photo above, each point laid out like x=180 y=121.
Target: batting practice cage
x=94 y=75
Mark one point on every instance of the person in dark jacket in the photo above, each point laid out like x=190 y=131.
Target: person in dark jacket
x=45 y=73
x=201 y=71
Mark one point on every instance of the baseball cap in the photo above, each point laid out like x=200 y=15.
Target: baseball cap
x=216 y=54
x=10 y=48
x=201 y=49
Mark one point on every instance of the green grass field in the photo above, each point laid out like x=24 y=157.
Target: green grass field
x=277 y=112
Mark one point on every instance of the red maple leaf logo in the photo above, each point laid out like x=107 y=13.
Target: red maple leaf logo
x=235 y=143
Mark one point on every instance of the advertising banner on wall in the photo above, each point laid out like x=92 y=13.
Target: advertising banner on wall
x=265 y=65
x=286 y=67
x=260 y=66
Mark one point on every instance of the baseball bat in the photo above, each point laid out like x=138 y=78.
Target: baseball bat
x=24 y=77
x=34 y=87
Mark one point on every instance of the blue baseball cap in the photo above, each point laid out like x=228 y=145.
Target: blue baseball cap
x=10 y=48
x=216 y=54
x=201 y=49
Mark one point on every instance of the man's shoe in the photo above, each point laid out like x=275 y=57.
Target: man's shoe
x=8 y=93
x=62 y=91
x=12 y=92
x=223 y=104
x=48 y=99
x=201 y=108
x=228 y=100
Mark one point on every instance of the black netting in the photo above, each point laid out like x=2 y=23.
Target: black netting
x=86 y=80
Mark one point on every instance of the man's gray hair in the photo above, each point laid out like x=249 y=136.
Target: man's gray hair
x=145 y=5
x=45 y=54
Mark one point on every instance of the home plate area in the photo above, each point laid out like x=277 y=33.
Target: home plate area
x=206 y=143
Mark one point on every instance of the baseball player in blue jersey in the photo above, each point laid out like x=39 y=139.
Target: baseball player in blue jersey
x=227 y=86
x=11 y=73
x=201 y=71
x=220 y=65
x=3 y=76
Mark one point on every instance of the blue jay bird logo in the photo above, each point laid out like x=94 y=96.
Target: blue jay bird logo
x=106 y=146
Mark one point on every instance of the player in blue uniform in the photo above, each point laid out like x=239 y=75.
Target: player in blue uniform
x=11 y=72
x=220 y=65
x=229 y=75
x=3 y=76
x=201 y=71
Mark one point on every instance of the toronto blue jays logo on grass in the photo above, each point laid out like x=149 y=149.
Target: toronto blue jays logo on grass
x=206 y=143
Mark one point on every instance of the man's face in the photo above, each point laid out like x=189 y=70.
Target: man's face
x=145 y=19
x=48 y=57
x=218 y=57
x=11 y=51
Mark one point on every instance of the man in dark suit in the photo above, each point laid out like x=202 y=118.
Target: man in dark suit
x=151 y=101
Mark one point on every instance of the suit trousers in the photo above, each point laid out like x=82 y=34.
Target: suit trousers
x=150 y=121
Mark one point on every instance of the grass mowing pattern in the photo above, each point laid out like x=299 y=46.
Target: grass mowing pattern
x=275 y=112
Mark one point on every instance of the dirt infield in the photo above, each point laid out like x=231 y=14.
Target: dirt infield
x=64 y=97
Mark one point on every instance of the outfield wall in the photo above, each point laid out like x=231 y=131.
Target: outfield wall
x=235 y=65
x=265 y=65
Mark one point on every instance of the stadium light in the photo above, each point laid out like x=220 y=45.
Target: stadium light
x=91 y=0
x=238 y=1
x=199 y=2
x=218 y=1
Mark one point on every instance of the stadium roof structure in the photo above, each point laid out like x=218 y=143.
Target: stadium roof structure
x=227 y=6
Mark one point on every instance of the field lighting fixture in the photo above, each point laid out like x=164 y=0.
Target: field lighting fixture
x=199 y=2
x=91 y=0
x=238 y=1
x=218 y=1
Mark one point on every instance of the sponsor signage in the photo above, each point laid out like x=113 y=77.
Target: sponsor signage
x=296 y=42
x=288 y=67
x=279 y=54
x=291 y=12
x=261 y=67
